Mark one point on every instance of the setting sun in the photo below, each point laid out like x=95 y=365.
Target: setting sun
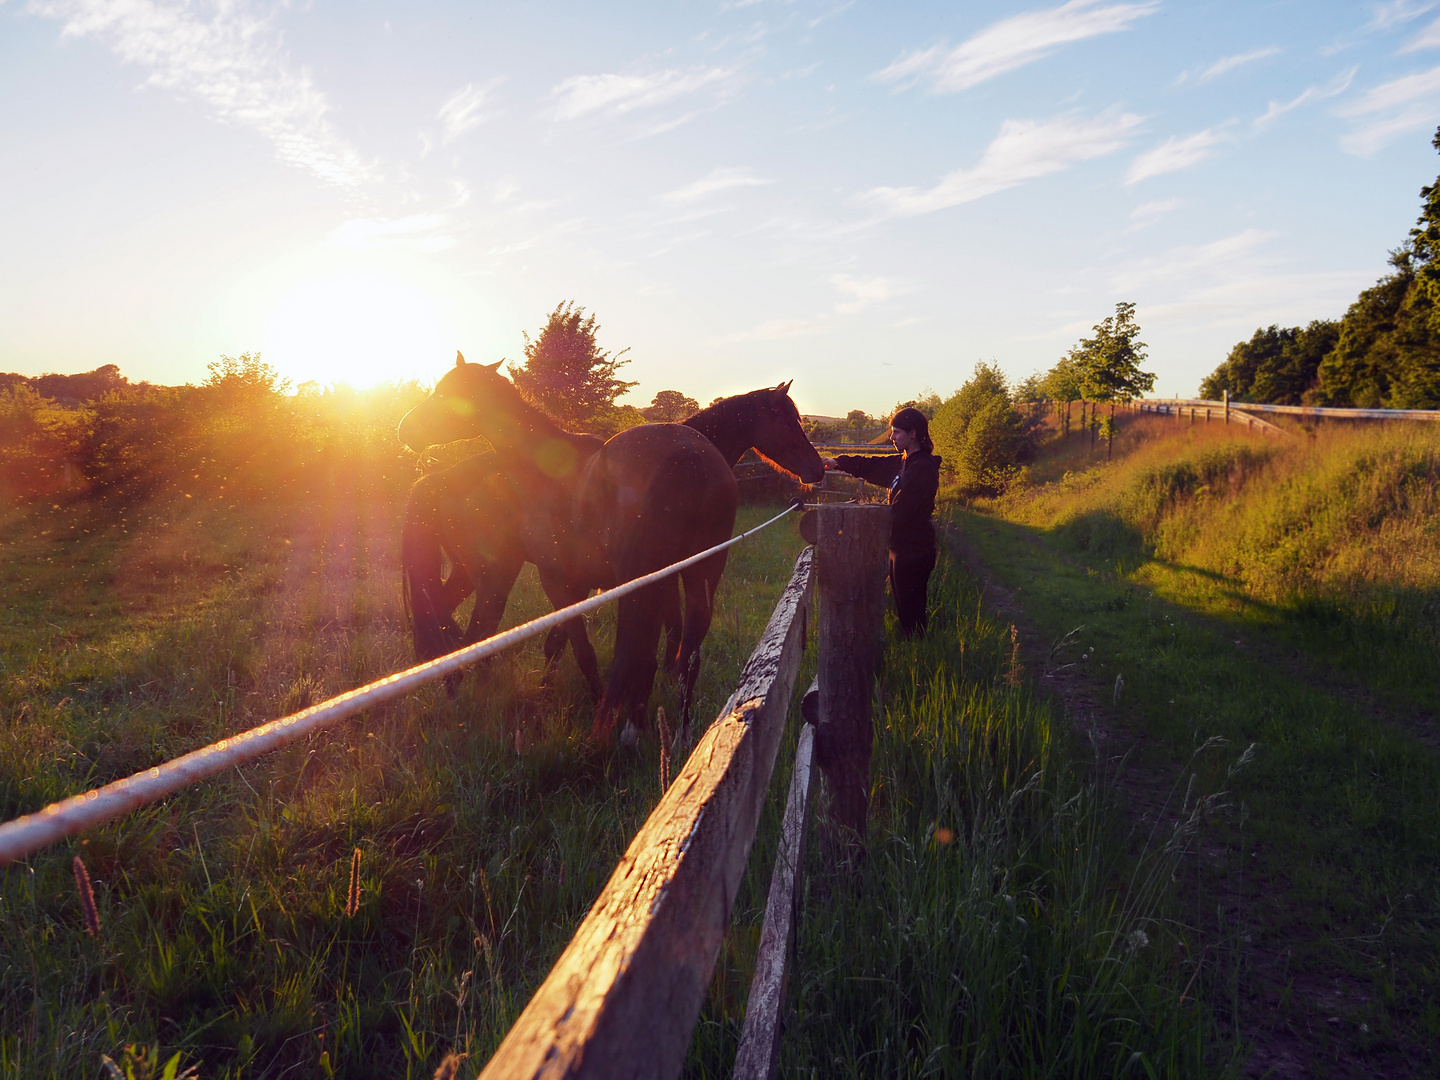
x=360 y=329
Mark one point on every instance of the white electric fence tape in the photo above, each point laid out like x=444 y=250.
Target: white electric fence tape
x=27 y=834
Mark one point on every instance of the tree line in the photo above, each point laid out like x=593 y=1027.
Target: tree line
x=1384 y=352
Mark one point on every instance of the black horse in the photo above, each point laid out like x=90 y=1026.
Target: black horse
x=649 y=497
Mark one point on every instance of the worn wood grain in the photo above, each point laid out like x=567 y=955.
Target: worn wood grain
x=623 y=998
x=850 y=566
x=759 y=1050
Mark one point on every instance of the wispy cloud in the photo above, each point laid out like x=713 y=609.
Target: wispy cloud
x=1012 y=43
x=716 y=181
x=468 y=108
x=233 y=61
x=615 y=95
x=1429 y=38
x=1228 y=63
x=1174 y=154
x=1392 y=108
x=1338 y=85
x=419 y=232
x=861 y=291
x=1149 y=212
x=1024 y=150
x=1399 y=11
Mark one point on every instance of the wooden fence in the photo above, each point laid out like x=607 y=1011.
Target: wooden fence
x=623 y=998
x=1227 y=411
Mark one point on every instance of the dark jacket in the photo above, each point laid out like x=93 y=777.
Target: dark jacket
x=913 y=482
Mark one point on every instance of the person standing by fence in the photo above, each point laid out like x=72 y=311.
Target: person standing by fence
x=913 y=476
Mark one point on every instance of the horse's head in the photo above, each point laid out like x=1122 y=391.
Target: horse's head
x=470 y=401
x=778 y=437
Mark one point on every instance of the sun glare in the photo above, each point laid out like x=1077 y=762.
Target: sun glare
x=360 y=329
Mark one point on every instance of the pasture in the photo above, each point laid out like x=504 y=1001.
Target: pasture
x=1000 y=922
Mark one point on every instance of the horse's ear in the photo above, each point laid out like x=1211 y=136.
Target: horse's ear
x=493 y=367
x=784 y=387
x=459 y=358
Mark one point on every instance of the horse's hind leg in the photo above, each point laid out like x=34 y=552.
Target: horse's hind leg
x=674 y=623
x=573 y=630
x=632 y=670
x=700 y=583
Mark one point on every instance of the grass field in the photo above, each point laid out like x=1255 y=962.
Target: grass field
x=1281 y=593
x=1005 y=920
x=485 y=827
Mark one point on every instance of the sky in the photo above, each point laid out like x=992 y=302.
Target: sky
x=865 y=198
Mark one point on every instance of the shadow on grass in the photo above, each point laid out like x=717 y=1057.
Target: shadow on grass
x=1327 y=879
x=1383 y=638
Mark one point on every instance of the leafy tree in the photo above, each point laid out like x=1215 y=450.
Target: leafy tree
x=1062 y=384
x=1108 y=364
x=245 y=378
x=1425 y=242
x=979 y=433
x=1277 y=366
x=927 y=403
x=1388 y=352
x=670 y=407
x=566 y=373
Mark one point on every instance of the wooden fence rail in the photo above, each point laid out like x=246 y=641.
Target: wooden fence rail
x=624 y=996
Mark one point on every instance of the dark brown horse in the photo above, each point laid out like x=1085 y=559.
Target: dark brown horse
x=490 y=514
x=471 y=513
x=653 y=495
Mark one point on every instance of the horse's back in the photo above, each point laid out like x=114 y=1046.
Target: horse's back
x=658 y=493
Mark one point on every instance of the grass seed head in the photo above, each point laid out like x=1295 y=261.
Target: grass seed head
x=352 y=900
x=87 y=898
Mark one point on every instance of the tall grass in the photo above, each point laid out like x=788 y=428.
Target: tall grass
x=1006 y=921
x=1333 y=534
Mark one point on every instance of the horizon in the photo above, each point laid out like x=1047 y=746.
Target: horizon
x=867 y=201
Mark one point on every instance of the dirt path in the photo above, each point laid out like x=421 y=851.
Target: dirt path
x=1283 y=1014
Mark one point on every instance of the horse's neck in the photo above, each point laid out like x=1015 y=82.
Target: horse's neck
x=727 y=427
x=523 y=426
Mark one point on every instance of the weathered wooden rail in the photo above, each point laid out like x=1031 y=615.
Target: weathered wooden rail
x=623 y=998
x=1228 y=410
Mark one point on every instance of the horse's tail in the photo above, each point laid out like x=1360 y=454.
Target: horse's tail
x=432 y=626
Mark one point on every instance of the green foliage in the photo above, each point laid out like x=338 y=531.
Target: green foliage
x=1063 y=382
x=670 y=407
x=928 y=403
x=41 y=444
x=1425 y=241
x=1388 y=352
x=981 y=436
x=1107 y=366
x=566 y=373
x=239 y=434
x=1277 y=366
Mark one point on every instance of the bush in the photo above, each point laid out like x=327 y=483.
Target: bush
x=41 y=444
x=981 y=436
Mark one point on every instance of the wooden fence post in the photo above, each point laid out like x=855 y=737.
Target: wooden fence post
x=850 y=568
x=1225 y=396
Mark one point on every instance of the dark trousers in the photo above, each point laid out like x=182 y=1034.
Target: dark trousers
x=909 y=582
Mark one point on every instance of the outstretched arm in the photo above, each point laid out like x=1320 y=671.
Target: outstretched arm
x=877 y=469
